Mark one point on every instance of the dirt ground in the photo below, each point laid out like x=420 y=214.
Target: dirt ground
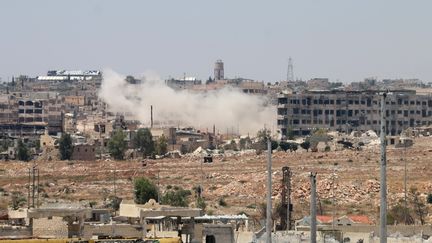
x=348 y=180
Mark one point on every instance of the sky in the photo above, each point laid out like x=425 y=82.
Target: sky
x=343 y=40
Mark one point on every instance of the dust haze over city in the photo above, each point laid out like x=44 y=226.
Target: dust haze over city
x=215 y=121
x=226 y=108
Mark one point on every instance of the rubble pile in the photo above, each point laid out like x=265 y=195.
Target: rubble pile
x=349 y=176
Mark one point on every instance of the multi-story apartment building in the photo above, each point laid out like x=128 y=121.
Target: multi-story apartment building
x=351 y=110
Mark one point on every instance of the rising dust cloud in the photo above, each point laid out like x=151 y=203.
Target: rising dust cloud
x=226 y=109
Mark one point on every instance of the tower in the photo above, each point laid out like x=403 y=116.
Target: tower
x=219 y=70
x=290 y=73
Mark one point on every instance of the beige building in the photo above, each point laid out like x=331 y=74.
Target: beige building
x=47 y=141
x=74 y=100
x=348 y=111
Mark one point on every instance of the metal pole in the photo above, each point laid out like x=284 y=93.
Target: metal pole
x=33 y=186
x=383 y=179
x=269 y=193
x=289 y=201
x=158 y=187
x=333 y=197
x=114 y=182
x=29 y=185
x=313 y=208
x=37 y=190
x=405 y=185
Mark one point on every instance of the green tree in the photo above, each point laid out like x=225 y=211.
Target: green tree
x=143 y=141
x=429 y=198
x=65 y=147
x=399 y=214
x=177 y=197
x=114 y=202
x=144 y=190
x=305 y=145
x=200 y=203
x=293 y=147
x=419 y=207
x=23 y=152
x=162 y=145
x=232 y=145
x=263 y=134
x=17 y=200
x=117 y=145
x=274 y=144
x=284 y=145
x=244 y=143
x=5 y=144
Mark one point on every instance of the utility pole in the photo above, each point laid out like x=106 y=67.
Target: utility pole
x=114 y=182
x=269 y=192
x=313 y=208
x=158 y=187
x=37 y=190
x=33 y=187
x=383 y=179
x=333 y=197
x=405 y=185
x=286 y=197
x=29 y=186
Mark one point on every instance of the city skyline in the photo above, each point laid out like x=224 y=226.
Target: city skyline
x=343 y=40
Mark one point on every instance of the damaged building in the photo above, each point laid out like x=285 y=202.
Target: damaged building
x=347 y=111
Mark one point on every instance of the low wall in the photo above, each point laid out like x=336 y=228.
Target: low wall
x=405 y=230
x=125 y=230
x=15 y=232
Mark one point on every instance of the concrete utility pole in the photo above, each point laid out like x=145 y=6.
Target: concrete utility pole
x=286 y=196
x=313 y=222
x=383 y=179
x=405 y=185
x=269 y=193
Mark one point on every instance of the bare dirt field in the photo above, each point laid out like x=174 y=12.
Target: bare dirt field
x=351 y=176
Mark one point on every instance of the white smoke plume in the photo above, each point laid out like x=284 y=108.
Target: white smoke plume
x=226 y=108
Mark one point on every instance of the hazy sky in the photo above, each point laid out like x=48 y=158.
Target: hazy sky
x=343 y=40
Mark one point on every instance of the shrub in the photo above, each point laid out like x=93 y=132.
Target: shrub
x=144 y=190
x=65 y=147
x=200 y=203
x=222 y=202
x=305 y=145
x=429 y=198
x=177 y=198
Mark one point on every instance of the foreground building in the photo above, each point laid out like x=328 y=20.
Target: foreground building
x=346 y=111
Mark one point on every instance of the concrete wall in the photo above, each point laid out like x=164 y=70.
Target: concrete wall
x=84 y=152
x=129 y=210
x=125 y=230
x=222 y=233
x=13 y=231
x=54 y=227
x=406 y=230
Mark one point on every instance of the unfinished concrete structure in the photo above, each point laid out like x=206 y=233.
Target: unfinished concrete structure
x=346 y=111
x=58 y=222
x=162 y=220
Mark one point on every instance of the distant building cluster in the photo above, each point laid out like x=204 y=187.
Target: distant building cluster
x=66 y=101
x=347 y=111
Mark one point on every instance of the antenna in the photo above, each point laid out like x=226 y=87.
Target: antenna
x=290 y=72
